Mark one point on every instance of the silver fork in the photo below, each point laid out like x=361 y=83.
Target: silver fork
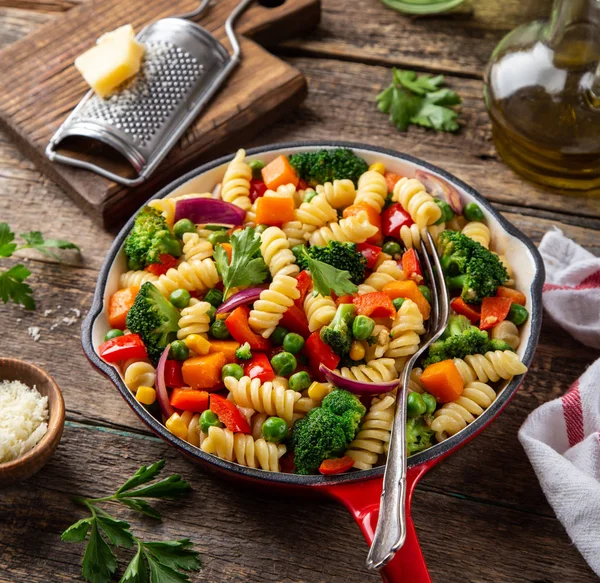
x=391 y=527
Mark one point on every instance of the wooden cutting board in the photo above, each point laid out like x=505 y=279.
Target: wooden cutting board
x=40 y=86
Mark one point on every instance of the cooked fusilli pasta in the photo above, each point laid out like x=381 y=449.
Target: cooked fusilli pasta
x=508 y=332
x=235 y=187
x=316 y=213
x=478 y=232
x=407 y=327
x=339 y=194
x=275 y=249
x=136 y=278
x=372 y=190
x=192 y=420
x=356 y=229
x=319 y=309
x=138 y=373
x=194 y=319
x=491 y=366
x=387 y=271
x=272 y=304
x=419 y=204
x=379 y=343
x=189 y=275
x=412 y=236
x=196 y=248
x=375 y=371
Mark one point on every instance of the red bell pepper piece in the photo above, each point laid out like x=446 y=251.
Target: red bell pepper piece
x=375 y=305
x=493 y=311
x=411 y=266
x=228 y=414
x=370 y=252
x=469 y=310
x=302 y=184
x=391 y=180
x=165 y=263
x=344 y=300
x=319 y=352
x=515 y=295
x=237 y=324
x=257 y=189
x=393 y=219
x=294 y=319
x=336 y=465
x=123 y=348
x=259 y=368
x=173 y=375
x=286 y=462
x=189 y=400
x=303 y=283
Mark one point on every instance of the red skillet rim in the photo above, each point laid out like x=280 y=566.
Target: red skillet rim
x=439 y=450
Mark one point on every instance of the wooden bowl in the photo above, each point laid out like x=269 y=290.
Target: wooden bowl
x=25 y=466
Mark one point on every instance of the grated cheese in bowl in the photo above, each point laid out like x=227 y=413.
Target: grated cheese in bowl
x=23 y=419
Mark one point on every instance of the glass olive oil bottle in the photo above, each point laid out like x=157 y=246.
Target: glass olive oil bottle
x=542 y=91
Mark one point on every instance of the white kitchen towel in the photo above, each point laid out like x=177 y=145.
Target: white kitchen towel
x=562 y=437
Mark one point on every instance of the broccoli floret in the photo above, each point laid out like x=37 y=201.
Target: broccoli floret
x=328 y=165
x=326 y=431
x=496 y=344
x=149 y=239
x=456 y=325
x=470 y=266
x=418 y=435
x=339 y=333
x=342 y=256
x=155 y=319
x=244 y=352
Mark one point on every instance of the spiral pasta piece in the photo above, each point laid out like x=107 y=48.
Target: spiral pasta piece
x=372 y=190
x=194 y=247
x=419 y=204
x=136 y=278
x=272 y=398
x=508 y=332
x=297 y=232
x=491 y=366
x=138 y=373
x=356 y=229
x=189 y=275
x=235 y=187
x=479 y=232
x=379 y=342
x=455 y=416
x=194 y=319
x=339 y=194
x=319 y=309
x=412 y=236
x=407 y=327
x=272 y=304
x=388 y=271
x=375 y=371
x=192 y=420
x=317 y=213
x=275 y=249
x=414 y=381
x=374 y=433
x=256 y=422
x=243 y=449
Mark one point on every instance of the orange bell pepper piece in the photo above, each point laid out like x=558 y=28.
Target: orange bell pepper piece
x=469 y=310
x=189 y=400
x=514 y=294
x=494 y=311
x=119 y=304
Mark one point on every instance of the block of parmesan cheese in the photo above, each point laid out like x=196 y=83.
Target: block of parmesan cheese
x=116 y=57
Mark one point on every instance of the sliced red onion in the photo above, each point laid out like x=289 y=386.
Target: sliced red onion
x=441 y=189
x=161 y=387
x=357 y=387
x=209 y=210
x=245 y=296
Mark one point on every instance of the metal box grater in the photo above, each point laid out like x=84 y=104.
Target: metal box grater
x=183 y=67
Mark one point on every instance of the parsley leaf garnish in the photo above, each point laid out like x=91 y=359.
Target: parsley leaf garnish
x=156 y=562
x=13 y=288
x=419 y=100
x=7 y=247
x=35 y=240
x=327 y=279
x=246 y=268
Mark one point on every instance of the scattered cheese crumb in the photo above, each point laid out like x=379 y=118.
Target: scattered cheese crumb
x=23 y=419
x=69 y=320
x=48 y=312
x=76 y=311
x=34 y=332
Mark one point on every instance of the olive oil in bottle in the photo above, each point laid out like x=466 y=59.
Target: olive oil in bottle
x=542 y=92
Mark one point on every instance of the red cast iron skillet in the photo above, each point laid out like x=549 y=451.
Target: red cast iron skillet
x=358 y=491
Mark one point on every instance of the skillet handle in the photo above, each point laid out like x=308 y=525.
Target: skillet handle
x=362 y=500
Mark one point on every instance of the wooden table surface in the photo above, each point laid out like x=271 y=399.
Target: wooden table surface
x=481 y=515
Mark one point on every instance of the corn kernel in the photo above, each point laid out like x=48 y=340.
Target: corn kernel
x=145 y=395
x=377 y=167
x=176 y=425
x=318 y=391
x=357 y=350
x=198 y=344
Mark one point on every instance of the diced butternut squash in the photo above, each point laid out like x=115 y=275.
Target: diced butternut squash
x=409 y=290
x=443 y=381
x=227 y=347
x=119 y=304
x=204 y=372
x=274 y=211
x=279 y=172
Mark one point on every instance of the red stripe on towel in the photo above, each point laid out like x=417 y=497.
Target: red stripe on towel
x=590 y=282
x=573 y=413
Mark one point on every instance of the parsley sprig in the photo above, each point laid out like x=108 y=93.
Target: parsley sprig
x=420 y=100
x=326 y=278
x=247 y=266
x=12 y=286
x=156 y=562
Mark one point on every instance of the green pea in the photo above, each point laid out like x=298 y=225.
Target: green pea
x=430 y=403
x=114 y=333
x=300 y=381
x=219 y=330
x=183 y=226
x=260 y=229
x=415 y=406
x=278 y=336
x=275 y=429
x=293 y=342
x=180 y=298
x=256 y=166
x=362 y=327
x=517 y=314
x=218 y=237
x=472 y=212
x=179 y=350
x=232 y=370
x=447 y=212
x=426 y=292
x=172 y=247
x=214 y=297
x=309 y=195
x=207 y=420
x=212 y=313
x=392 y=248
x=398 y=302
x=284 y=364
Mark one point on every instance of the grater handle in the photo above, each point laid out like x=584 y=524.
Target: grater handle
x=197 y=12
